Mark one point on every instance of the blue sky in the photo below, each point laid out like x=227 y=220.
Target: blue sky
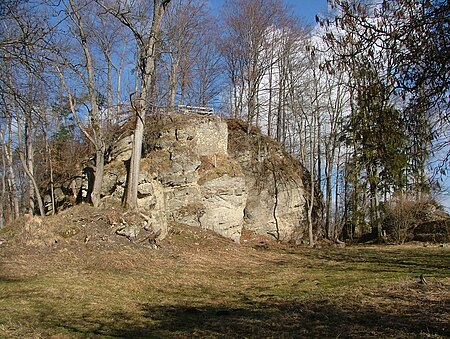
x=305 y=9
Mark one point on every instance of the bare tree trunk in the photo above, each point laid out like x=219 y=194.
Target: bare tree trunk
x=172 y=84
x=97 y=137
x=50 y=167
x=328 y=192
x=135 y=161
x=312 y=191
x=319 y=152
x=8 y=153
x=281 y=91
x=14 y=195
x=11 y=179
x=136 y=76
x=183 y=88
x=15 y=208
x=119 y=82
x=269 y=111
x=338 y=215
x=257 y=111
x=109 y=95
x=3 y=192
x=251 y=104
x=99 y=171
x=34 y=184
x=27 y=170
x=29 y=154
x=147 y=66
x=7 y=189
x=337 y=227
x=240 y=101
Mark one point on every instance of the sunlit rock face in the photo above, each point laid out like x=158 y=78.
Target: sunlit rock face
x=277 y=183
x=207 y=172
x=186 y=175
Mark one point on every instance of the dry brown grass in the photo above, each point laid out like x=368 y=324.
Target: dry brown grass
x=216 y=166
x=200 y=285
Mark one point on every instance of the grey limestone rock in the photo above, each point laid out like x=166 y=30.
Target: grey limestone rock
x=191 y=173
x=224 y=199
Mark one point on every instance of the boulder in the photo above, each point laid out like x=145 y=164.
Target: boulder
x=114 y=175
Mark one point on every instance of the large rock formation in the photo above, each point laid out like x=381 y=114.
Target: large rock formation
x=200 y=171
x=278 y=186
x=186 y=176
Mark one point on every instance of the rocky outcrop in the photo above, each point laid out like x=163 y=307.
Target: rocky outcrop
x=278 y=186
x=207 y=172
x=186 y=176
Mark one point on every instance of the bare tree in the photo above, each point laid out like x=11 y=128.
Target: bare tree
x=107 y=35
x=22 y=39
x=207 y=70
x=202 y=68
x=147 y=41
x=8 y=173
x=184 y=22
x=3 y=193
x=337 y=105
x=76 y=11
x=246 y=25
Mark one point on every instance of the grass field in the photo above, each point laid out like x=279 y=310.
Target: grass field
x=200 y=285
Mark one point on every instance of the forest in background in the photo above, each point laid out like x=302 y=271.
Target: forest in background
x=362 y=98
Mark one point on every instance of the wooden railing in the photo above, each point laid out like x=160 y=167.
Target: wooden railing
x=184 y=109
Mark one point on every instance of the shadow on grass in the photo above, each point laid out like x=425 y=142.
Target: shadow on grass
x=403 y=310
x=322 y=319
x=11 y=280
x=419 y=261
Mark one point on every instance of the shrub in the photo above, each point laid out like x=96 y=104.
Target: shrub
x=402 y=216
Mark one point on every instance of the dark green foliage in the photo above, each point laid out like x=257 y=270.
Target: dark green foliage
x=398 y=74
